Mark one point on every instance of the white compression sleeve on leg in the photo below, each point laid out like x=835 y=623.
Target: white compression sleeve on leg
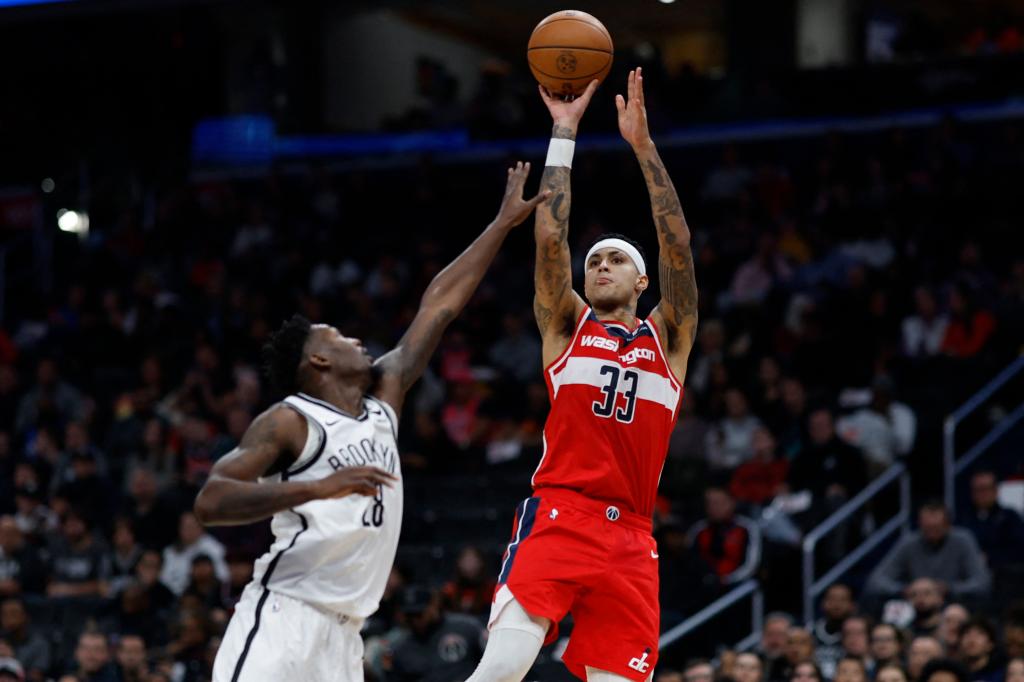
x=516 y=639
x=595 y=675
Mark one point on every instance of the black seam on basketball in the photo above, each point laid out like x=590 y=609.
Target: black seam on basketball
x=251 y=636
x=570 y=47
x=586 y=23
x=567 y=78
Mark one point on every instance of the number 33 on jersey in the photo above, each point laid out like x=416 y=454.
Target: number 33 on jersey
x=614 y=403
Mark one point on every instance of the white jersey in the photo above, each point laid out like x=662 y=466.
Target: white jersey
x=336 y=554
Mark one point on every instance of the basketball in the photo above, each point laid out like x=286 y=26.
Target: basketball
x=569 y=49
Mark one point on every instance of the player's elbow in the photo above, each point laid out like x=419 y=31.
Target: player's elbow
x=205 y=507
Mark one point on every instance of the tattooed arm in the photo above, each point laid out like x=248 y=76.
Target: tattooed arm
x=555 y=305
x=449 y=292
x=232 y=495
x=676 y=314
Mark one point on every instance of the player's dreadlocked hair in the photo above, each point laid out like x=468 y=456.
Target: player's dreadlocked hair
x=283 y=353
x=616 y=235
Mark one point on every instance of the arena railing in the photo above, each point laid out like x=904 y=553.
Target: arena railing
x=813 y=587
x=751 y=588
x=954 y=466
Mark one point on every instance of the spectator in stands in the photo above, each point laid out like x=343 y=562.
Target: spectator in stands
x=925 y=330
x=970 y=325
x=799 y=648
x=698 y=670
x=79 y=562
x=135 y=611
x=730 y=544
x=883 y=430
x=773 y=637
x=831 y=469
x=192 y=542
x=790 y=426
x=50 y=398
x=11 y=670
x=204 y=585
x=806 y=671
x=125 y=555
x=92 y=658
x=937 y=551
x=1013 y=631
x=188 y=646
x=891 y=673
x=748 y=668
x=850 y=669
x=434 y=645
x=953 y=619
x=669 y=676
x=886 y=645
x=730 y=441
x=517 y=352
x=760 y=478
x=926 y=597
x=30 y=647
x=472 y=588
x=922 y=650
x=836 y=606
x=977 y=649
x=153 y=516
x=999 y=531
x=1015 y=670
x=21 y=568
x=131 y=659
x=943 y=670
x=856 y=640
x=758 y=276
x=147 y=574
x=34 y=518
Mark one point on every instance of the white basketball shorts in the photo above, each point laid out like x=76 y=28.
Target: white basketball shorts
x=274 y=637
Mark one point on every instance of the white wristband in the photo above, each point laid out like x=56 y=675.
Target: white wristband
x=560 y=152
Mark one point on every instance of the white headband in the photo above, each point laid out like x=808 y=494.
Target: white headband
x=623 y=246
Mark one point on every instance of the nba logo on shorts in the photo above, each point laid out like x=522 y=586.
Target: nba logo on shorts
x=612 y=513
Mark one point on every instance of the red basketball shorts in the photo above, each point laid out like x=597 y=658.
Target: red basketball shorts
x=572 y=554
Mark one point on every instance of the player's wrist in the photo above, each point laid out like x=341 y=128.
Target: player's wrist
x=645 y=146
x=565 y=127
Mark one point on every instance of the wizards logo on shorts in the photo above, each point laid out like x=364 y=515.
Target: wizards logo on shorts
x=525 y=516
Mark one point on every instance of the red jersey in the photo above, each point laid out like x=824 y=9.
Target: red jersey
x=614 y=403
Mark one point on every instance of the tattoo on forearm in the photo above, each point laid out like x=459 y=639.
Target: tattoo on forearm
x=553 y=278
x=675 y=265
x=563 y=132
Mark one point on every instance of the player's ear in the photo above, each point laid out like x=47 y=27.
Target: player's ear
x=642 y=282
x=319 y=362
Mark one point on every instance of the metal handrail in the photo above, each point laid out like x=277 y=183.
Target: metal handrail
x=951 y=467
x=750 y=588
x=901 y=522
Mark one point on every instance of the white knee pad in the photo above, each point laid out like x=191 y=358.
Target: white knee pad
x=595 y=675
x=515 y=640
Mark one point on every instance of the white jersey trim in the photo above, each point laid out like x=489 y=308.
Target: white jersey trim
x=650 y=386
x=313 y=448
x=326 y=405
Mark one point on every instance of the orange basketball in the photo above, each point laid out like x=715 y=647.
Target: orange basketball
x=568 y=50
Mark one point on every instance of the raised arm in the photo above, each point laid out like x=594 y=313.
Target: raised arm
x=449 y=292
x=555 y=304
x=232 y=496
x=676 y=313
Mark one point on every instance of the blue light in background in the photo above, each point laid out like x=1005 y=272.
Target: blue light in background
x=19 y=3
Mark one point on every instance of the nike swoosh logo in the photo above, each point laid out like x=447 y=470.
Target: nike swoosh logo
x=332 y=423
x=654 y=554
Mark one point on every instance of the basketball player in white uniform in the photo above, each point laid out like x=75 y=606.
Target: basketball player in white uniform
x=324 y=464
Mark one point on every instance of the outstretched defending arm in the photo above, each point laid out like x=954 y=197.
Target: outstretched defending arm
x=275 y=438
x=449 y=292
x=555 y=304
x=676 y=313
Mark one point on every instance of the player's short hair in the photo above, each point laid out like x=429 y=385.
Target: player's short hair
x=282 y=355
x=615 y=235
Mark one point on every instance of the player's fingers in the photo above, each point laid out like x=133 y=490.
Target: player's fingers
x=631 y=84
x=639 y=87
x=620 y=104
x=589 y=92
x=541 y=197
x=544 y=94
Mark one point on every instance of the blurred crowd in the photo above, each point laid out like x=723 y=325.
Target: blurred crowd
x=854 y=289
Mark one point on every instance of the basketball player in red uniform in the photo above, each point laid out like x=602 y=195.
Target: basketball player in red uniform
x=582 y=544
